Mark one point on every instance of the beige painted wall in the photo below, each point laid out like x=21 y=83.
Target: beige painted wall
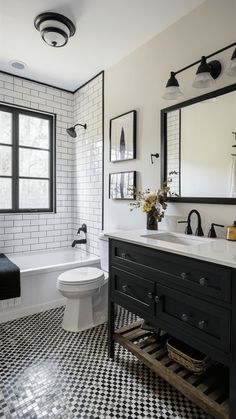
x=137 y=82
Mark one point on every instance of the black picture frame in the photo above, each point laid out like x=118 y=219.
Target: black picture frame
x=115 y=190
x=163 y=116
x=122 y=134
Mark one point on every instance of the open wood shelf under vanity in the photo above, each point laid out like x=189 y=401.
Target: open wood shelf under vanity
x=209 y=391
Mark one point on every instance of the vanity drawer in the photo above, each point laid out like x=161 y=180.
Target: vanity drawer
x=202 y=277
x=204 y=321
x=132 y=291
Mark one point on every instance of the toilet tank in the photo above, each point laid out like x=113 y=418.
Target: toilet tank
x=103 y=242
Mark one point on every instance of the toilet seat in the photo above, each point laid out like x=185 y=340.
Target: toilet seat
x=82 y=276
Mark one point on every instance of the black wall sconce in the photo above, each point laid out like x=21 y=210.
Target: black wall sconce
x=156 y=155
x=71 y=131
x=206 y=73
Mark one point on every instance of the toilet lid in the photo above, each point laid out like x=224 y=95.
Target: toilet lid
x=81 y=276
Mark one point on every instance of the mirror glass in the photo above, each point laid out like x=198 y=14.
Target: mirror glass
x=200 y=147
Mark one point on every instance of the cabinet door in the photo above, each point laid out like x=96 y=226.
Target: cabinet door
x=133 y=292
x=194 y=317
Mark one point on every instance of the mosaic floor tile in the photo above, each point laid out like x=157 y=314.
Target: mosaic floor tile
x=46 y=372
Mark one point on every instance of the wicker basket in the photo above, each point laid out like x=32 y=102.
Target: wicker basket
x=190 y=358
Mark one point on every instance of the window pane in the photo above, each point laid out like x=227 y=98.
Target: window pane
x=33 y=163
x=33 y=132
x=5 y=160
x=33 y=193
x=5 y=127
x=5 y=193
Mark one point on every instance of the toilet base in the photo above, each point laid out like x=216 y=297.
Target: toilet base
x=86 y=312
x=78 y=314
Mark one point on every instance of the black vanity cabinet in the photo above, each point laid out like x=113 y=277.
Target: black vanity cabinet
x=190 y=299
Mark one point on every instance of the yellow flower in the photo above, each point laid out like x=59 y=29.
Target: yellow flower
x=151 y=198
x=146 y=207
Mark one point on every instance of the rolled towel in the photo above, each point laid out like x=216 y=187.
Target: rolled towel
x=9 y=279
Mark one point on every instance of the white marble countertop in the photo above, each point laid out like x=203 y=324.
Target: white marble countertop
x=219 y=251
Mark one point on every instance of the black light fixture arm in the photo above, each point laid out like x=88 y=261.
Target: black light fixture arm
x=206 y=56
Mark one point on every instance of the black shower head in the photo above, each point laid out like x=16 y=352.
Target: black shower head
x=71 y=131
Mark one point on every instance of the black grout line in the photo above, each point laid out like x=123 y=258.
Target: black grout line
x=50 y=85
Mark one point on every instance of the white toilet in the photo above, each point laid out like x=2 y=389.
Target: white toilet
x=86 y=290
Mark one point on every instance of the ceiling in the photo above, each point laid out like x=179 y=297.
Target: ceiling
x=106 y=31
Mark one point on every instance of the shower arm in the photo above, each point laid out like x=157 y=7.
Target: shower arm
x=81 y=125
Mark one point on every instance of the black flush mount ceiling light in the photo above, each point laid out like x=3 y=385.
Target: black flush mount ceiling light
x=206 y=74
x=55 y=29
x=71 y=131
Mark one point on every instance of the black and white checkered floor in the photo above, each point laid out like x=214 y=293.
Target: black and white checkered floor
x=49 y=373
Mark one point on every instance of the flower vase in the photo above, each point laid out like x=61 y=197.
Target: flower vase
x=152 y=223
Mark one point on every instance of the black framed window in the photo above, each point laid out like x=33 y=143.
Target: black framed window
x=26 y=160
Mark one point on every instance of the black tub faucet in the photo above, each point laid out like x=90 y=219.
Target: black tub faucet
x=81 y=241
x=188 y=230
x=82 y=228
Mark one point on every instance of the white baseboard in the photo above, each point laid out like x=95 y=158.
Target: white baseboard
x=19 y=312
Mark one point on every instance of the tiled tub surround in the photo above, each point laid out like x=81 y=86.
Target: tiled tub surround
x=39 y=273
x=78 y=168
x=30 y=232
x=87 y=164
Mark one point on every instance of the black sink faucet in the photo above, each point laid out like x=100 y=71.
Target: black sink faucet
x=212 y=232
x=188 y=230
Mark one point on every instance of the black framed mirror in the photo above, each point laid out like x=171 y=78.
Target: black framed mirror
x=198 y=144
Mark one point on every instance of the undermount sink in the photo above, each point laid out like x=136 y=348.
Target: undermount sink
x=178 y=238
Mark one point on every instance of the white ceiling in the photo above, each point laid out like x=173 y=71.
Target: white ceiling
x=106 y=31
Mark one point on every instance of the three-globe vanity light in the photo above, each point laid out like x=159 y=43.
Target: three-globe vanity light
x=206 y=74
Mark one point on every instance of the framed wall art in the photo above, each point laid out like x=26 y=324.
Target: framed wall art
x=122 y=185
x=123 y=137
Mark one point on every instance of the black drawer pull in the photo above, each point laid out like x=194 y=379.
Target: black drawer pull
x=185 y=317
x=185 y=275
x=157 y=298
x=203 y=281
x=150 y=295
x=202 y=324
x=124 y=288
x=124 y=255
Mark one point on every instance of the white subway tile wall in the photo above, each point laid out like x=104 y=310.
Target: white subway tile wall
x=87 y=179
x=31 y=232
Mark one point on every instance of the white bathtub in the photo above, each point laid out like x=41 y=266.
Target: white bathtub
x=39 y=272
